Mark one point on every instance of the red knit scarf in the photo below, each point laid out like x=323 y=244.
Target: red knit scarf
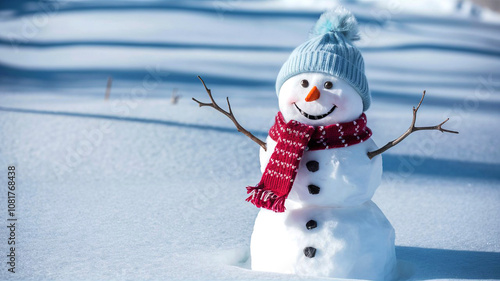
x=293 y=138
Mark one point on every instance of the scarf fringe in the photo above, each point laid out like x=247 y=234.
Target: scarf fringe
x=267 y=199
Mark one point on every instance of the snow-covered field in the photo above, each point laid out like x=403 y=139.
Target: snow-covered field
x=137 y=188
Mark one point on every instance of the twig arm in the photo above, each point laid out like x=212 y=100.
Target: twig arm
x=229 y=115
x=410 y=130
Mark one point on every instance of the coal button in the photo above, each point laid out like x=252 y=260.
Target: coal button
x=312 y=166
x=311 y=224
x=313 y=189
x=310 y=252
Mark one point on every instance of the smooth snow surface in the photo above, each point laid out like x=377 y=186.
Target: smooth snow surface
x=136 y=188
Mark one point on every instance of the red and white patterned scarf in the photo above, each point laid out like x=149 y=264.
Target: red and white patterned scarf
x=293 y=138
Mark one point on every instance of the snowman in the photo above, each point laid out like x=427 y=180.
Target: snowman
x=320 y=168
x=317 y=217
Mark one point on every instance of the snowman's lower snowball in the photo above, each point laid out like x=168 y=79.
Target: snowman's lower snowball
x=355 y=242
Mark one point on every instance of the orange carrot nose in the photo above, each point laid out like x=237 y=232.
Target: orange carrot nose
x=313 y=94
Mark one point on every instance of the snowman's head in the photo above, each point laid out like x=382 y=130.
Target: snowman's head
x=319 y=99
x=323 y=81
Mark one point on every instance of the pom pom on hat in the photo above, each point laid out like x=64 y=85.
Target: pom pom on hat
x=330 y=50
x=337 y=20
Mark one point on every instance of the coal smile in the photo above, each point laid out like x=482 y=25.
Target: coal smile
x=314 y=117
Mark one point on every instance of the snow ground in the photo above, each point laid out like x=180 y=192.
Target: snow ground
x=137 y=188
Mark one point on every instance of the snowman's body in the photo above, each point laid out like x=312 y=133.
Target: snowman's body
x=343 y=177
x=329 y=226
x=351 y=236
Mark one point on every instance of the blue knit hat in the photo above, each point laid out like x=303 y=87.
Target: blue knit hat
x=330 y=50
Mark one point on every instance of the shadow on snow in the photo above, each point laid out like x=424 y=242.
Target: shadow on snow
x=130 y=119
x=393 y=163
x=253 y=48
x=427 y=263
x=16 y=77
x=145 y=44
x=409 y=164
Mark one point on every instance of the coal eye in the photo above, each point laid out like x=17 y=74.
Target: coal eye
x=304 y=83
x=328 y=85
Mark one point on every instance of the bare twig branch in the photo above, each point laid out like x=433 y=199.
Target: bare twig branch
x=410 y=130
x=108 y=88
x=229 y=114
x=174 y=98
